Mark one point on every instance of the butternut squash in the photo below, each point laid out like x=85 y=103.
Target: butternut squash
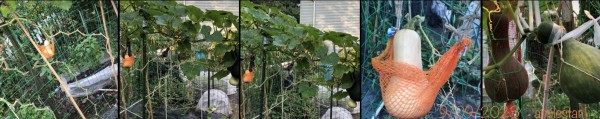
x=47 y=49
x=128 y=61
x=248 y=76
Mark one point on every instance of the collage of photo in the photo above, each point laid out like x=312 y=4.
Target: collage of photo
x=300 y=59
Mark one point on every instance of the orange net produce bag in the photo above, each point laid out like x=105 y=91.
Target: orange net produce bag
x=407 y=91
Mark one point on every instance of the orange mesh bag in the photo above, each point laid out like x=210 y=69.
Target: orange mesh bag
x=408 y=91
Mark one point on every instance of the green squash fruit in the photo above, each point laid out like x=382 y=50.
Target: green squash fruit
x=544 y=32
x=354 y=91
x=573 y=79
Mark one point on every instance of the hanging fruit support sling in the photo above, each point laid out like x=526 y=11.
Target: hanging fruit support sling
x=407 y=90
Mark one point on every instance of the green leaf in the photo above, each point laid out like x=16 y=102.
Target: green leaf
x=321 y=51
x=347 y=81
x=340 y=95
x=302 y=64
x=205 y=30
x=271 y=31
x=184 y=45
x=330 y=59
x=162 y=19
x=340 y=39
x=5 y=11
x=312 y=32
x=191 y=69
x=307 y=91
x=293 y=42
x=12 y=4
x=65 y=5
x=280 y=40
x=194 y=13
x=190 y=29
x=178 y=10
x=296 y=31
x=176 y=23
x=216 y=36
x=280 y=21
x=218 y=17
x=222 y=49
x=153 y=12
x=339 y=70
x=251 y=37
x=259 y=15
x=221 y=74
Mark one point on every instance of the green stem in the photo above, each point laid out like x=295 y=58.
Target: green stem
x=433 y=50
x=514 y=16
x=414 y=21
x=492 y=72
x=492 y=69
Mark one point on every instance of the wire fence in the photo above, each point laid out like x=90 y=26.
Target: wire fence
x=277 y=95
x=80 y=42
x=280 y=96
x=172 y=94
x=460 y=96
x=292 y=81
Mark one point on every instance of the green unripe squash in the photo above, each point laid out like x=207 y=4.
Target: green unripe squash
x=354 y=91
x=573 y=79
x=580 y=70
x=544 y=32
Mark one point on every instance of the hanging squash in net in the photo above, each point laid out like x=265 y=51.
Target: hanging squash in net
x=407 y=90
x=511 y=80
x=47 y=49
x=579 y=63
x=128 y=61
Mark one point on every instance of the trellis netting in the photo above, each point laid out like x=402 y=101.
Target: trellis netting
x=83 y=34
x=445 y=24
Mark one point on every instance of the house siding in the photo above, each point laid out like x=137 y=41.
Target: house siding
x=226 y=5
x=340 y=16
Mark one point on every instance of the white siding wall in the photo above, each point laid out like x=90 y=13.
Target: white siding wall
x=225 y=5
x=340 y=16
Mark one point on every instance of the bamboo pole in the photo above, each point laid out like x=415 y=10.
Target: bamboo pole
x=546 y=78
